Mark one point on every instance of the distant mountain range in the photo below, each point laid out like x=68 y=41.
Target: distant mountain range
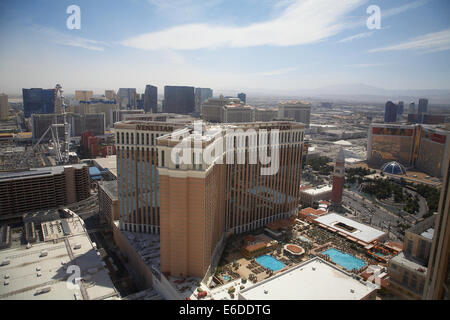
x=360 y=92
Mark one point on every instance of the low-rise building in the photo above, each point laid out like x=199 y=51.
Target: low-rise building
x=52 y=269
x=43 y=188
x=315 y=279
x=310 y=195
x=408 y=270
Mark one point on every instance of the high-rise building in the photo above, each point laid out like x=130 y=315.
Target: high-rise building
x=390 y=112
x=138 y=180
x=423 y=106
x=201 y=95
x=338 y=180
x=43 y=188
x=401 y=107
x=38 y=100
x=94 y=122
x=127 y=98
x=4 y=107
x=237 y=113
x=41 y=122
x=151 y=99
x=437 y=283
x=408 y=270
x=299 y=111
x=83 y=95
x=219 y=198
x=243 y=97
x=212 y=199
x=263 y=115
x=211 y=109
x=97 y=106
x=79 y=123
x=178 y=99
x=422 y=109
x=111 y=95
x=140 y=101
x=424 y=147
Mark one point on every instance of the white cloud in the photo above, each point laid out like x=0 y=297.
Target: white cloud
x=68 y=40
x=431 y=42
x=304 y=21
x=356 y=37
x=401 y=9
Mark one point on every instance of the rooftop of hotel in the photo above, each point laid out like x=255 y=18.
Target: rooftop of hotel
x=361 y=231
x=408 y=263
x=424 y=228
x=45 y=264
x=111 y=188
x=110 y=163
x=35 y=172
x=314 y=279
x=147 y=246
x=317 y=190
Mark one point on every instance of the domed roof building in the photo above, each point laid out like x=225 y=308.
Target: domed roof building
x=393 y=167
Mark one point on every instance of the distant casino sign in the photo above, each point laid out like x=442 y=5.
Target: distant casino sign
x=393 y=132
x=439 y=138
x=144 y=127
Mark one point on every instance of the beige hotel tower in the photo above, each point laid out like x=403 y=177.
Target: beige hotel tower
x=195 y=206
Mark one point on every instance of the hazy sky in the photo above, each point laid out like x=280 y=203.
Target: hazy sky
x=224 y=44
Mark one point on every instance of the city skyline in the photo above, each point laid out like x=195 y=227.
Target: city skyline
x=132 y=43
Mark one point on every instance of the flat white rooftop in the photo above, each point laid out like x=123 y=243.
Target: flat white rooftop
x=29 y=270
x=428 y=233
x=110 y=163
x=361 y=231
x=314 y=279
x=318 y=190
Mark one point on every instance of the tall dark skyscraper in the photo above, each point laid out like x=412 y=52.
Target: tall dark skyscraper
x=38 y=100
x=151 y=98
x=243 y=97
x=390 y=112
x=201 y=95
x=127 y=98
x=401 y=107
x=139 y=101
x=178 y=99
x=412 y=107
x=423 y=106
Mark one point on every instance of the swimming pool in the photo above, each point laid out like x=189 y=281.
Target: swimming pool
x=270 y=262
x=225 y=277
x=345 y=260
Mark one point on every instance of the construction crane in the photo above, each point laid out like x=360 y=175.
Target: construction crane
x=62 y=149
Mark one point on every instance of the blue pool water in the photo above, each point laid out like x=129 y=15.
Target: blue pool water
x=345 y=260
x=270 y=262
x=227 y=278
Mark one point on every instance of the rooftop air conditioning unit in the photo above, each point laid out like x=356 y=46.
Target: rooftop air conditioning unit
x=77 y=246
x=6 y=262
x=44 y=290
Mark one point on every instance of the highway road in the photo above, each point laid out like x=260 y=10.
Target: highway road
x=367 y=212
